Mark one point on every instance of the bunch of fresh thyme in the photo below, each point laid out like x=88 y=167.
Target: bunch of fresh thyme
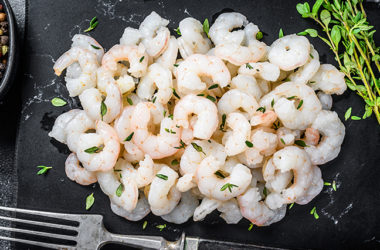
x=350 y=37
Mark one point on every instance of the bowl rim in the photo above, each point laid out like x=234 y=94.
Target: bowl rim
x=8 y=74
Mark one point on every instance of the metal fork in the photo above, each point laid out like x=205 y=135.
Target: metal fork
x=91 y=233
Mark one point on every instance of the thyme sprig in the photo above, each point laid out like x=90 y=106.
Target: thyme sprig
x=350 y=37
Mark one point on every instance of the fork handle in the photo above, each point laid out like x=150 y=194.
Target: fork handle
x=146 y=242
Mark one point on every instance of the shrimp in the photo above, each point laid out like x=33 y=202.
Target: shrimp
x=205 y=110
x=194 y=67
x=193 y=39
x=191 y=159
x=235 y=99
x=109 y=182
x=206 y=207
x=326 y=100
x=265 y=119
x=58 y=130
x=221 y=189
x=247 y=84
x=329 y=79
x=290 y=52
x=88 y=43
x=120 y=77
x=241 y=130
x=163 y=195
x=141 y=210
x=220 y=31
x=80 y=123
x=135 y=55
x=131 y=36
x=264 y=141
x=132 y=153
x=291 y=114
x=157 y=146
x=122 y=124
x=77 y=173
x=264 y=70
x=144 y=174
x=256 y=211
x=251 y=158
x=307 y=71
x=88 y=64
x=92 y=102
x=156 y=77
x=155 y=34
x=285 y=136
x=240 y=55
x=169 y=57
x=184 y=210
x=230 y=211
x=297 y=160
x=106 y=141
x=333 y=131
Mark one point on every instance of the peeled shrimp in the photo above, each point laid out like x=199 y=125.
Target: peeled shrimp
x=329 y=79
x=91 y=100
x=295 y=159
x=289 y=52
x=58 y=130
x=157 y=146
x=135 y=55
x=241 y=130
x=220 y=31
x=210 y=185
x=256 y=211
x=163 y=195
x=285 y=136
x=264 y=141
x=205 y=110
x=265 y=119
x=247 y=84
x=168 y=58
x=124 y=81
x=77 y=173
x=105 y=159
x=193 y=39
x=141 y=210
x=80 y=123
x=155 y=34
x=143 y=175
x=122 y=124
x=206 y=207
x=230 y=211
x=88 y=64
x=312 y=136
x=291 y=114
x=194 y=67
x=315 y=187
x=157 y=77
x=87 y=42
x=131 y=36
x=109 y=182
x=234 y=99
x=191 y=159
x=264 y=70
x=333 y=131
x=307 y=71
x=132 y=153
x=184 y=210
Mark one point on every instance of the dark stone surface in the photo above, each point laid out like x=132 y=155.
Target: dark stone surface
x=349 y=217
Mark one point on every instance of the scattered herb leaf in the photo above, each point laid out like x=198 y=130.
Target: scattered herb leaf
x=347 y=114
x=90 y=201
x=95 y=47
x=206 y=27
x=248 y=66
x=197 y=148
x=103 y=109
x=119 y=190
x=262 y=109
x=300 y=143
x=334 y=185
x=93 y=23
x=280 y=33
x=181 y=146
x=175 y=162
x=228 y=186
x=162 y=176
x=43 y=169
x=129 y=137
x=259 y=35
x=214 y=86
x=211 y=98
x=161 y=227
x=142 y=58
x=58 y=102
x=129 y=100
x=144 y=225
x=300 y=104
x=175 y=94
x=250 y=227
x=219 y=174
x=282 y=140
x=249 y=144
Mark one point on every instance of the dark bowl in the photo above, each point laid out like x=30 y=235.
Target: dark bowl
x=10 y=71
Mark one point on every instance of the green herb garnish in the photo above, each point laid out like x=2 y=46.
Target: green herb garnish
x=300 y=143
x=259 y=35
x=229 y=186
x=142 y=58
x=175 y=94
x=219 y=174
x=103 y=109
x=206 y=27
x=211 y=98
x=93 y=23
x=129 y=137
x=161 y=227
x=58 y=102
x=221 y=127
x=250 y=227
x=300 y=104
x=162 y=176
x=119 y=190
x=181 y=146
x=95 y=47
x=262 y=109
x=347 y=114
x=175 y=162
x=90 y=201
x=248 y=66
x=214 y=86
x=197 y=148
x=280 y=33
x=94 y=149
x=43 y=169
x=144 y=225
x=249 y=144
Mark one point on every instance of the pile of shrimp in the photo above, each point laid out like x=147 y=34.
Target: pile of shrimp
x=184 y=126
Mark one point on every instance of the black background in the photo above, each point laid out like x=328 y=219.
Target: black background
x=349 y=217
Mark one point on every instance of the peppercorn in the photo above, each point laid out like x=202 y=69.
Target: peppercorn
x=4 y=40
x=3 y=17
x=4 y=27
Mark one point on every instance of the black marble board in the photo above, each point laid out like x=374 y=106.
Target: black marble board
x=349 y=217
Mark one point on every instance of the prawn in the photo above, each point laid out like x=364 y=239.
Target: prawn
x=75 y=172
